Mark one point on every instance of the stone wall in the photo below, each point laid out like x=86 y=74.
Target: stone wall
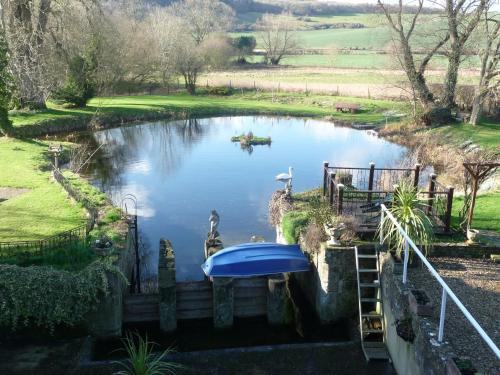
x=107 y=319
x=425 y=355
x=330 y=286
x=167 y=287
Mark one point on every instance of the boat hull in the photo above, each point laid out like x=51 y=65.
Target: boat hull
x=256 y=259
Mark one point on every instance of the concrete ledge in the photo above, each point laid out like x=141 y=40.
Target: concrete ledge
x=425 y=355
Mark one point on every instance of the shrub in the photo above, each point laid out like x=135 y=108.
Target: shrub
x=293 y=223
x=80 y=85
x=220 y=91
x=45 y=297
x=408 y=210
x=78 y=88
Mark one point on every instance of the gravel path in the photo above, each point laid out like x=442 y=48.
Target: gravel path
x=476 y=283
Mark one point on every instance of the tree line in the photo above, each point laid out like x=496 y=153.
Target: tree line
x=70 y=50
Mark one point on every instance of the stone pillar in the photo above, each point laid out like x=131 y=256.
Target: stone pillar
x=223 y=297
x=276 y=299
x=167 y=287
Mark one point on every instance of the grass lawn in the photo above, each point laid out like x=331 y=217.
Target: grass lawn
x=44 y=208
x=485 y=134
x=298 y=104
x=486 y=212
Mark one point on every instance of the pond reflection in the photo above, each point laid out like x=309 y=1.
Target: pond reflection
x=181 y=170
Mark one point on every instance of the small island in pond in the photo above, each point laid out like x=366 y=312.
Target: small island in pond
x=250 y=140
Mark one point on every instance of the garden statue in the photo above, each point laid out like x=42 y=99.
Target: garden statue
x=334 y=231
x=214 y=223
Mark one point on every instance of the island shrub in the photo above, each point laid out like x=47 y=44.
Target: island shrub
x=45 y=297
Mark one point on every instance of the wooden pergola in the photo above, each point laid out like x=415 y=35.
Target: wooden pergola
x=479 y=172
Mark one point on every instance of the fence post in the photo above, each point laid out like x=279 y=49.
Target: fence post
x=405 y=264
x=331 y=186
x=370 y=180
x=417 y=175
x=432 y=189
x=325 y=176
x=340 y=198
x=449 y=204
x=442 y=315
x=382 y=218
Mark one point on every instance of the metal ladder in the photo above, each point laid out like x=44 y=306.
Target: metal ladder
x=371 y=311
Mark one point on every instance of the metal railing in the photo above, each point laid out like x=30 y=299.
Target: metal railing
x=446 y=289
x=26 y=248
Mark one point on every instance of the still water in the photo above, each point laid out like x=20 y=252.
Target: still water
x=181 y=170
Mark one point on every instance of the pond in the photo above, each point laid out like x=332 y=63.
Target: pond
x=181 y=170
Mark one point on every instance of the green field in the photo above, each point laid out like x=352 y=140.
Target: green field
x=42 y=210
x=354 y=47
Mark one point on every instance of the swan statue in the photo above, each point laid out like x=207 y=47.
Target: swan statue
x=286 y=178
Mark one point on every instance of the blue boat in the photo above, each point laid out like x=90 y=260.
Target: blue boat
x=256 y=259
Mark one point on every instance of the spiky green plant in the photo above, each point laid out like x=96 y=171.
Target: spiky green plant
x=141 y=359
x=409 y=211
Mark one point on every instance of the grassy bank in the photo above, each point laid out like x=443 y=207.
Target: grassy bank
x=486 y=134
x=126 y=108
x=38 y=207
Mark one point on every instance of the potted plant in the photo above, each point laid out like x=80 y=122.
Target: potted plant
x=420 y=303
x=408 y=210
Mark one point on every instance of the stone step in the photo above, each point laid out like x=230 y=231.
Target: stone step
x=373 y=316
x=367 y=256
x=373 y=331
x=369 y=285
x=375 y=350
x=370 y=300
x=367 y=270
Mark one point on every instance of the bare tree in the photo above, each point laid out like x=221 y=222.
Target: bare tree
x=204 y=17
x=39 y=42
x=278 y=37
x=415 y=70
x=462 y=18
x=489 y=56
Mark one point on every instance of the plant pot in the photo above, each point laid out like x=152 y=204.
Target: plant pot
x=472 y=235
x=459 y=366
x=420 y=303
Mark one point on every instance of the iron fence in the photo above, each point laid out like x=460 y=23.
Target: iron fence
x=26 y=248
x=360 y=192
x=79 y=233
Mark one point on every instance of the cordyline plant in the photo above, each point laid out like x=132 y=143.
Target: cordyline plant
x=142 y=360
x=409 y=211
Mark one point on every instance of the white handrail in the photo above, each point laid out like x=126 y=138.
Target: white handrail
x=446 y=289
